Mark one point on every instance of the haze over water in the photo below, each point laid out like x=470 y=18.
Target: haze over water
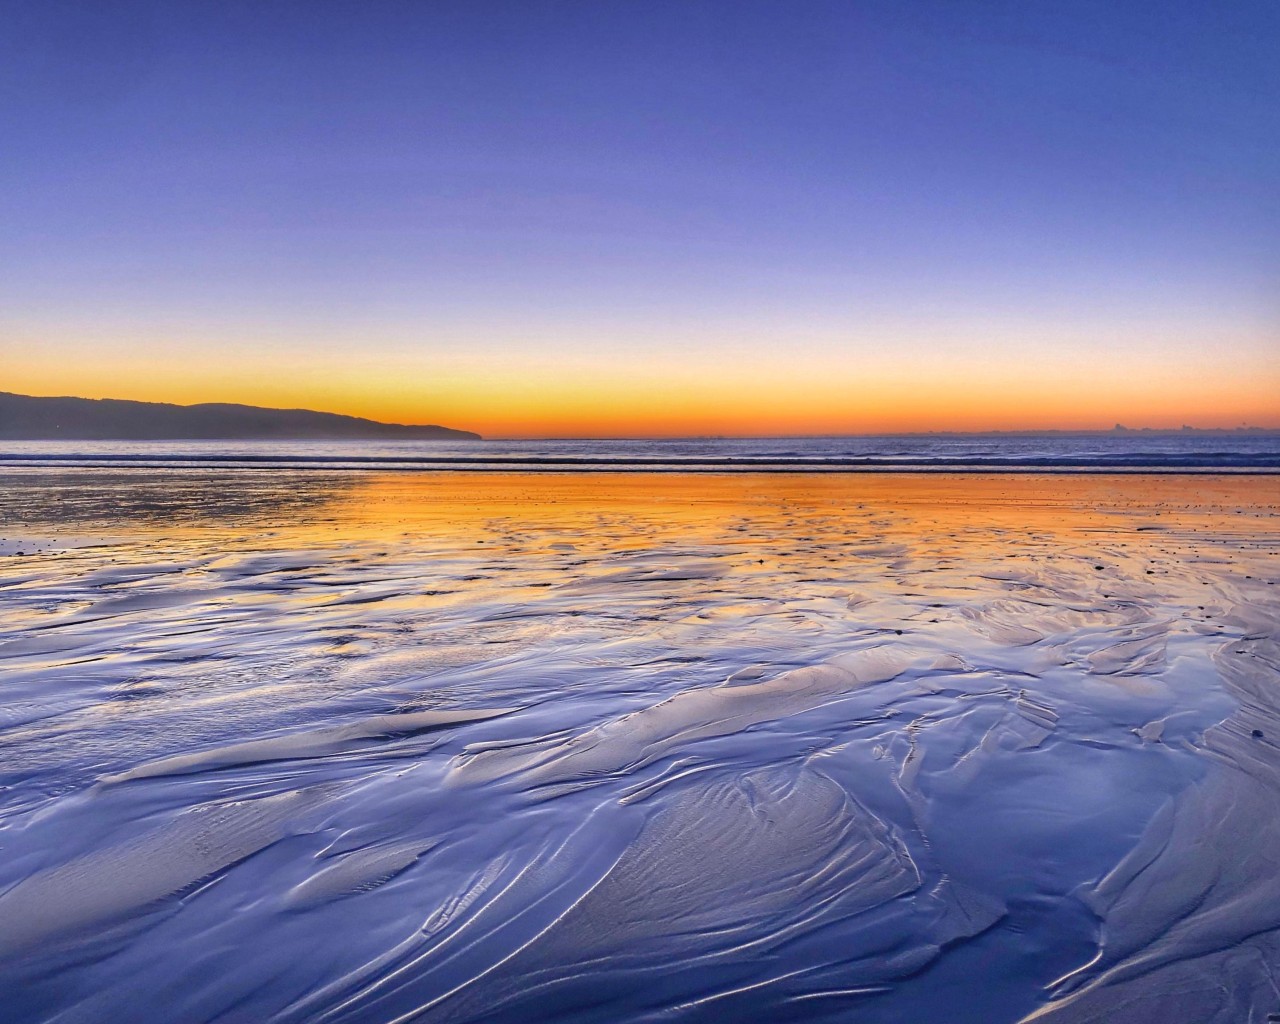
x=323 y=745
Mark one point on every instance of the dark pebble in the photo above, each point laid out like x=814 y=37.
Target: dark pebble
x=1257 y=734
x=1098 y=567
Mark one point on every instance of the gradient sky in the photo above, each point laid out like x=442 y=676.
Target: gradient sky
x=579 y=218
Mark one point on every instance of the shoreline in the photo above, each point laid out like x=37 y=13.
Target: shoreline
x=493 y=467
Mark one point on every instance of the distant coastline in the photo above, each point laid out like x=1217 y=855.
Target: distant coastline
x=31 y=418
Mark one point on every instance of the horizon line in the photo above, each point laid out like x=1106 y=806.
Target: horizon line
x=1118 y=428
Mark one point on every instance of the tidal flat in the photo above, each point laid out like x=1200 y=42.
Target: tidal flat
x=350 y=746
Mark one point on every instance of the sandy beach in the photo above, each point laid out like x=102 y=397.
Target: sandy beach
x=351 y=747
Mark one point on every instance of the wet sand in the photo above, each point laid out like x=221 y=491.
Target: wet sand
x=374 y=747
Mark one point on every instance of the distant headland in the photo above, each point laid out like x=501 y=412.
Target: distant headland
x=28 y=418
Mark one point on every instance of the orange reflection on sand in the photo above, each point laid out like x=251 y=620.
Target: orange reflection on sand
x=462 y=504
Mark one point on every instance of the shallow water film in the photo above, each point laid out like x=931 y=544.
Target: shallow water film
x=349 y=747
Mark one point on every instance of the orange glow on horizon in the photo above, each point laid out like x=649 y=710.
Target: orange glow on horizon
x=799 y=411
x=820 y=386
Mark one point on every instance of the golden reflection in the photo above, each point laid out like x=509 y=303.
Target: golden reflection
x=309 y=507
x=460 y=505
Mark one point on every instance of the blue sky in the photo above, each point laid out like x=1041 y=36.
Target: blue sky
x=483 y=195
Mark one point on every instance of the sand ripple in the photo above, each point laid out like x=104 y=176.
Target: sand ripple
x=644 y=749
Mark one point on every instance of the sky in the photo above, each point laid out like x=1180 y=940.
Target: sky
x=594 y=218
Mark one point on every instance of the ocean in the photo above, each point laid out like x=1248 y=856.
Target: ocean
x=1117 y=451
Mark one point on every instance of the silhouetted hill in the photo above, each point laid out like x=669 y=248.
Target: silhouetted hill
x=23 y=417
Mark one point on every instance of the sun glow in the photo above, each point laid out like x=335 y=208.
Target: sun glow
x=723 y=377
